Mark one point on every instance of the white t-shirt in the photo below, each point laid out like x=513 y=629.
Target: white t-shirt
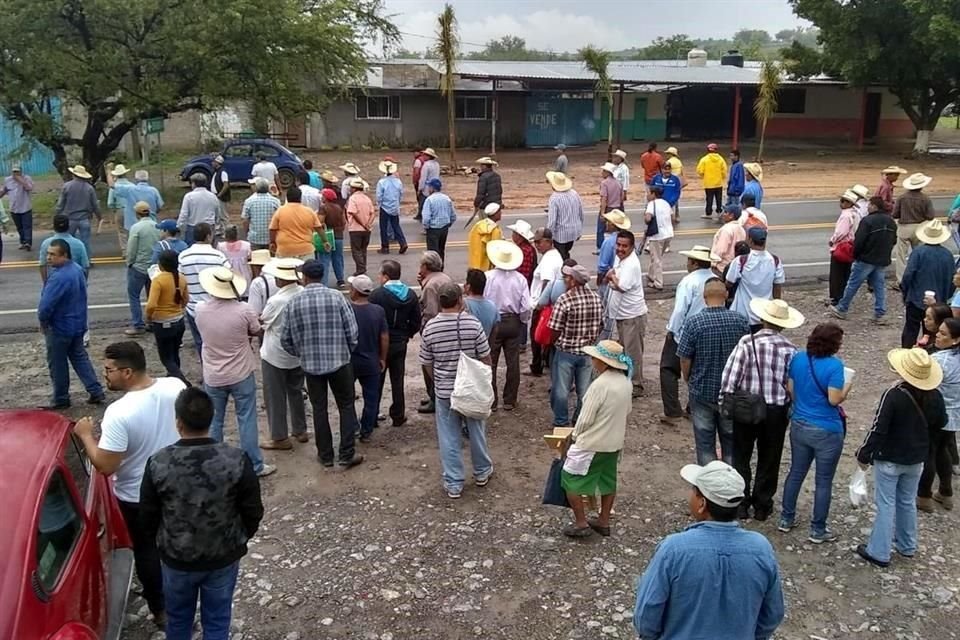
x=756 y=213
x=272 y=319
x=630 y=302
x=664 y=212
x=310 y=197
x=140 y=424
x=759 y=273
x=266 y=170
x=548 y=269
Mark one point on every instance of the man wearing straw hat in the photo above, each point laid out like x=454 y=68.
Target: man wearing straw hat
x=753 y=185
x=611 y=197
x=759 y=365
x=911 y=210
x=350 y=171
x=389 y=195
x=862 y=200
x=78 y=201
x=564 y=213
x=507 y=290
x=489 y=185
x=429 y=170
x=227 y=324
x=482 y=233
x=262 y=285
x=930 y=270
x=621 y=171
x=123 y=214
x=614 y=221
x=888 y=178
x=688 y=302
x=360 y=216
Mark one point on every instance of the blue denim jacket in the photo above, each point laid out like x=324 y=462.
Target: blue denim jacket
x=714 y=580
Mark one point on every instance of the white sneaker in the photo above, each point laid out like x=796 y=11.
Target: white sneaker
x=267 y=470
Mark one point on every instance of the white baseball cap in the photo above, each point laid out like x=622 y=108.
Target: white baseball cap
x=717 y=481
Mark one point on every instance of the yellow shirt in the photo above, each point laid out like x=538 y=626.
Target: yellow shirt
x=712 y=169
x=294 y=224
x=482 y=232
x=675 y=165
x=161 y=305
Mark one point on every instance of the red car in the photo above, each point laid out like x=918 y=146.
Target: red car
x=67 y=559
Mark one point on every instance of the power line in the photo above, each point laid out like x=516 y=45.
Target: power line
x=418 y=35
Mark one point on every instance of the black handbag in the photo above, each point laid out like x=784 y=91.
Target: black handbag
x=743 y=406
x=823 y=390
x=553 y=493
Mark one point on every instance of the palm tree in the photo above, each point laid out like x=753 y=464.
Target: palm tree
x=765 y=104
x=448 y=49
x=598 y=61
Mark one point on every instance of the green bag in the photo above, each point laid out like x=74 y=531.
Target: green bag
x=318 y=241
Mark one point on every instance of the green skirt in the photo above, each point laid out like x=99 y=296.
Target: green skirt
x=602 y=476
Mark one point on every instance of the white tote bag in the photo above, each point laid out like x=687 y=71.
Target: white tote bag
x=472 y=395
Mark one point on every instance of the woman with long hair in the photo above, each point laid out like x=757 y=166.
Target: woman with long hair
x=943 y=442
x=933 y=317
x=165 y=306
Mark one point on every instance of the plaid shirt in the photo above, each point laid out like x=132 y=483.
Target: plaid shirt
x=565 y=215
x=708 y=338
x=529 y=261
x=320 y=327
x=259 y=209
x=578 y=316
x=773 y=354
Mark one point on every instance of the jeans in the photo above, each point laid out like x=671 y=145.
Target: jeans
x=333 y=259
x=136 y=283
x=601 y=227
x=506 y=338
x=396 y=367
x=809 y=442
x=188 y=234
x=670 y=378
x=62 y=349
x=839 y=277
x=732 y=198
x=912 y=323
x=390 y=223
x=169 y=337
x=370 y=389
x=714 y=200
x=195 y=334
x=283 y=390
x=80 y=229
x=24 y=223
x=569 y=371
x=215 y=588
x=895 y=495
x=768 y=437
x=359 y=241
x=449 y=432
x=708 y=424
x=245 y=403
x=437 y=241
x=146 y=558
x=939 y=465
x=341 y=384
x=872 y=274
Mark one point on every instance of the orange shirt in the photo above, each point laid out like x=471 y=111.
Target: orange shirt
x=359 y=212
x=652 y=163
x=294 y=224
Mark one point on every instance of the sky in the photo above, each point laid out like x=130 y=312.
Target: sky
x=567 y=25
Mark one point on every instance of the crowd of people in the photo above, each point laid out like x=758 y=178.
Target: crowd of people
x=268 y=291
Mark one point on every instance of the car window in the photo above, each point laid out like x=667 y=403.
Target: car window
x=79 y=465
x=268 y=151
x=239 y=151
x=57 y=531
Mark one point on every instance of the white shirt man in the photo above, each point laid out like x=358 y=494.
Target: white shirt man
x=661 y=210
x=549 y=267
x=310 y=197
x=627 y=305
x=757 y=275
x=266 y=170
x=752 y=212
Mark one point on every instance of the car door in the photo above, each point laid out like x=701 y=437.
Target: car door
x=86 y=482
x=238 y=160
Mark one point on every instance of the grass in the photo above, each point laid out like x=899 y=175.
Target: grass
x=948 y=122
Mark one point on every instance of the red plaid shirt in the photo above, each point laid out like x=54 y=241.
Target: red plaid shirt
x=529 y=261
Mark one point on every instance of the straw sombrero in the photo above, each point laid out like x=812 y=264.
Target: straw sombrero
x=350 y=169
x=755 y=170
x=933 y=232
x=358 y=183
x=430 y=152
x=119 y=170
x=894 y=169
x=260 y=257
x=523 y=228
x=327 y=176
x=850 y=196
x=611 y=353
x=620 y=153
x=700 y=253
x=80 y=171
x=617 y=218
x=387 y=167
x=221 y=282
x=916 y=182
x=609 y=167
x=487 y=160
x=559 y=181
x=672 y=151
x=860 y=190
x=916 y=367
x=777 y=312
x=504 y=254
x=284 y=268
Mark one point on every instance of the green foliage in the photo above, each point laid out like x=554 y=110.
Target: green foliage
x=674 y=47
x=448 y=50
x=598 y=61
x=802 y=62
x=123 y=62
x=765 y=104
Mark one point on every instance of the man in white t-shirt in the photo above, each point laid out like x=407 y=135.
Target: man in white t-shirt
x=627 y=305
x=659 y=209
x=758 y=274
x=266 y=170
x=548 y=270
x=752 y=216
x=134 y=428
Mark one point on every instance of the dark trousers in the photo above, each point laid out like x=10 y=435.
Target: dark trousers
x=24 y=223
x=283 y=396
x=420 y=199
x=390 y=223
x=428 y=383
x=768 y=438
x=195 y=333
x=437 y=241
x=540 y=354
x=169 y=337
x=839 y=275
x=506 y=338
x=714 y=197
x=396 y=367
x=670 y=378
x=939 y=465
x=370 y=390
x=912 y=322
x=341 y=384
x=564 y=248
x=145 y=557
x=359 y=241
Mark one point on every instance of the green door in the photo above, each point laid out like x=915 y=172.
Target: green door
x=640 y=119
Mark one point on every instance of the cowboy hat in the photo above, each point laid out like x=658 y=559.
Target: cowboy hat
x=350 y=169
x=850 y=196
x=523 y=228
x=327 y=176
x=358 y=183
x=777 y=312
x=284 y=268
x=611 y=353
x=491 y=209
x=609 y=167
x=620 y=153
x=387 y=167
x=672 y=151
x=119 y=170
x=221 y=282
x=559 y=181
x=700 y=253
x=894 y=169
x=617 y=218
x=260 y=257
x=504 y=254
x=80 y=171
x=916 y=367
x=933 y=232
x=218 y=159
x=755 y=170
x=860 y=190
x=430 y=152
x=487 y=160
x=916 y=182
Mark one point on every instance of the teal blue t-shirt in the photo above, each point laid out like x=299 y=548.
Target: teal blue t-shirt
x=810 y=404
x=484 y=311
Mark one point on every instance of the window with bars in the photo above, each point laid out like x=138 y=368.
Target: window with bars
x=471 y=108
x=378 y=108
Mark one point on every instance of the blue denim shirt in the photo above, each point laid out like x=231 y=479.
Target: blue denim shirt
x=63 y=301
x=929 y=268
x=389 y=194
x=714 y=580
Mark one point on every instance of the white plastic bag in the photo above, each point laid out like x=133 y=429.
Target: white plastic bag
x=858 y=488
x=472 y=395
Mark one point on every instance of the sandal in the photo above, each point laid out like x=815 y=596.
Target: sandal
x=573 y=531
x=594 y=524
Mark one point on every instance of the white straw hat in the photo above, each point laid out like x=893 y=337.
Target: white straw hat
x=916 y=182
x=777 y=312
x=284 y=268
x=80 y=171
x=933 y=232
x=350 y=169
x=617 y=218
x=700 y=253
x=523 y=228
x=260 y=257
x=221 y=282
x=559 y=181
x=916 y=367
x=504 y=254
x=609 y=167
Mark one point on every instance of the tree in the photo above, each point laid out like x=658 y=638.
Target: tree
x=674 y=47
x=407 y=54
x=448 y=49
x=765 y=104
x=751 y=36
x=911 y=46
x=598 y=61
x=803 y=62
x=124 y=62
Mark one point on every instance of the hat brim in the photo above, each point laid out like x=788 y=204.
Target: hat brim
x=916 y=186
x=894 y=170
x=928 y=239
x=793 y=320
x=619 y=224
x=495 y=256
x=218 y=289
x=430 y=152
x=259 y=262
x=526 y=234
x=690 y=473
x=559 y=181
x=117 y=174
x=594 y=353
x=80 y=174
x=273 y=269
x=700 y=256
x=895 y=358
x=385 y=168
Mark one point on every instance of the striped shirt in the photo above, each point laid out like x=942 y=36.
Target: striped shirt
x=444 y=337
x=259 y=209
x=438 y=211
x=774 y=353
x=193 y=260
x=565 y=215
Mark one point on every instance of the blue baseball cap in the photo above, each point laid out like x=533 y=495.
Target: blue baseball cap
x=434 y=183
x=757 y=234
x=734 y=210
x=167 y=225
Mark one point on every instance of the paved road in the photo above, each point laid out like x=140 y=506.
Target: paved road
x=799 y=232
